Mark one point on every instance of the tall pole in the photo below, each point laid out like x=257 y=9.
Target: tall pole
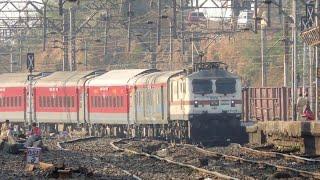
x=285 y=27
x=174 y=20
x=30 y=97
x=11 y=60
x=255 y=16
x=85 y=54
x=182 y=29
x=317 y=65
x=294 y=60
x=171 y=49
x=44 y=24
x=159 y=23
x=65 y=42
x=263 y=64
x=311 y=78
x=192 y=49
x=105 y=40
x=129 y=27
x=304 y=66
x=72 y=41
x=20 y=53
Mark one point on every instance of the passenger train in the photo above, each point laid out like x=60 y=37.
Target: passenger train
x=199 y=104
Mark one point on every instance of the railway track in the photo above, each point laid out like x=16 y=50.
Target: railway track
x=201 y=170
x=275 y=158
x=151 y=159
x=240 y=163
x=292 y=165
x=60 y=146
x=140 y=165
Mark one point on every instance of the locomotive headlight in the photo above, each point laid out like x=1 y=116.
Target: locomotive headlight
x=233 y=104
x=196 y=103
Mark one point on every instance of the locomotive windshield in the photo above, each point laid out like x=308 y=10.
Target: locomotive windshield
x=225 y=86
x=202 y=86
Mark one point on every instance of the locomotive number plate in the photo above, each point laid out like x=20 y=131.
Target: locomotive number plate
x=224 y=103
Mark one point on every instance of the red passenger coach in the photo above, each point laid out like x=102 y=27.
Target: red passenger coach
x=59 y=98
x=108 y=96
x=13 y=96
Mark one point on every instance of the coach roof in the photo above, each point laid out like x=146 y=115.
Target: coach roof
x=63 y=78
x=15 y=79
x=118 y=77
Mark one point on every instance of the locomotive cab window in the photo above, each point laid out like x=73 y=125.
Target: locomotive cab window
x=225 y=86
x=202 y=86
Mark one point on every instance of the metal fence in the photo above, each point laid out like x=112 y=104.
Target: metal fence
x=267 y=103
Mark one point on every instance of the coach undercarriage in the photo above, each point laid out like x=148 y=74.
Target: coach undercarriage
x=197 y=130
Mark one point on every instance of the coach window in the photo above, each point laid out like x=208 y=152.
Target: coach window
x=56 y=103
x=96 y=101
x=16 y=101
x=48 y=101
x=8 y=102
x=11 y=101
x=0 y=101
x=110 y=101
x=40 y=101
x=19 y=101
x=171 y=91
x=68 y=101
x=72 y=101
x=52 y=102
x=121 y=101
x=114 y=101
x=99 y=101
x=177 y=89
x=60 y=101
x=103 y=101
x=65 y=101
x=107 y=101
x=44 y=101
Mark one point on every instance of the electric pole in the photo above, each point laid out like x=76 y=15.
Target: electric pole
x=159 y=23
x=72 y=40
x=85 y=54
x=285 y=27
x=171 y=49
x=263 y=64
x=129 y=27
x=174 y=20
x=11 y=60
x=65 y=41
x=44 y=24
x=20 y=53
x=294 y=59
x=106 y=23
x=317 y=64
x=182 y=29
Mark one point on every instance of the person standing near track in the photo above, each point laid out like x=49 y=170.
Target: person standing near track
x=5 y=130
x=34 y=135
x=301 y=103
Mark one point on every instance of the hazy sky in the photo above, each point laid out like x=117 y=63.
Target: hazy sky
x=214 y=13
